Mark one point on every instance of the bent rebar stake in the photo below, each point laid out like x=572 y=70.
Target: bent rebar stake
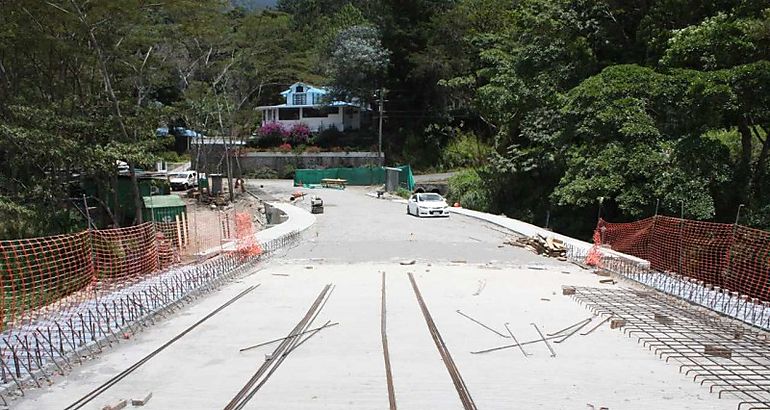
x=577 y=329
x=582 y=322
x=514 y=339
x=481 y=324
x=553 y=354
x=591 y=330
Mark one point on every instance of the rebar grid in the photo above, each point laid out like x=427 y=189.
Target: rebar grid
x=738 y=361
x=752 y=311
x=39 y=349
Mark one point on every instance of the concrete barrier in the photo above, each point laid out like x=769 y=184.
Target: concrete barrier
x=577 y=246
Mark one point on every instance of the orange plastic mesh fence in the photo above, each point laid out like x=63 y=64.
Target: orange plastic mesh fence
x=244 y=232
x=42 y=271
x=209 y=231
x=123 y=254
x=729 y=256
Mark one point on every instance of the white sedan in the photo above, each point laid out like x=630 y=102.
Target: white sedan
x=427 y=205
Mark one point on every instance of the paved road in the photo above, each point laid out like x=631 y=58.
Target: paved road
x=353 y=242
x=359 y=228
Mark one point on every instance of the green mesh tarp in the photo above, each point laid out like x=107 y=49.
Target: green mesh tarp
x=354 y=176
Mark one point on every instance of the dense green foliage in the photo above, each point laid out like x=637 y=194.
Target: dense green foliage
x=553 y=105
x=85 y=84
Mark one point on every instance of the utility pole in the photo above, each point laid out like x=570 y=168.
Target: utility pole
x=382 y=112
x=229 y=168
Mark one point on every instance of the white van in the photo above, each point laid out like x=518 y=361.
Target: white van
x=183 y=180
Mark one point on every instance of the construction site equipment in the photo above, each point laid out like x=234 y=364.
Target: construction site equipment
x=541 y=245
x=316 y=205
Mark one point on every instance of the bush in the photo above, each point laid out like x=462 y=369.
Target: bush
x=262 y=173
x=173 y=157
x=269 y=135
x=288 y=171
x=328 y=137
x=403 y=193
x=284 y=148
x=470 y=190
x=299 y=134
x=466 y=150
x=268 y=141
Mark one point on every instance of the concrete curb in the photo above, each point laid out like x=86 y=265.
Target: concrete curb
x=527 y=229
x=298 y=220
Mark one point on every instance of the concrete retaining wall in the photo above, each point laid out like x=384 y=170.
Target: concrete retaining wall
x=211 y=160
x=278 y=161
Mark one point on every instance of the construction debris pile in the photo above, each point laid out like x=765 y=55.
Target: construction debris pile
x=540 y=245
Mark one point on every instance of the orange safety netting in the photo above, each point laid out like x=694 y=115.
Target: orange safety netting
x=729 y=256
x=122 y=254
x=244 y=232
x=36 y=273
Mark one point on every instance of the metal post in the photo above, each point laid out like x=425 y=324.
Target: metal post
x=599 y=214
x=88 y=213
x=681 y=237
x=382 y=112
x=229 y=168
x=738 y=215
x=728 y=269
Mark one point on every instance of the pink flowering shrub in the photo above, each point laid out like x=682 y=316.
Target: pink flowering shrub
x=273 y=129
x=299 y=134
x=285 y=147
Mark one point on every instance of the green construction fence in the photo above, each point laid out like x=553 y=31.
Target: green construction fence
x=355 y=176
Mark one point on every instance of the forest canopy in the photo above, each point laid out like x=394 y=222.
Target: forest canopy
x=548 y=109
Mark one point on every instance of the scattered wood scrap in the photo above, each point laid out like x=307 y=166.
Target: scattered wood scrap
x=541 y=245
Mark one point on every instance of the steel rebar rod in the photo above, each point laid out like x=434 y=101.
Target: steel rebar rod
x=481 y=324
x=553 y=354
x=514 y=339
x=385 y=351
x=120 y=376
x=328 y=324
x=454 y=373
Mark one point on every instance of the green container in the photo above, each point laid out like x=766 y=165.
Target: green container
x=163 y=208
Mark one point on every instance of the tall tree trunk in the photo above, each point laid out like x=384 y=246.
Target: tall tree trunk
x=760 y=168
x=743 y=173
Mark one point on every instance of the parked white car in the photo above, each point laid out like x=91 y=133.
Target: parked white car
x=183 y=180
x=428 y=204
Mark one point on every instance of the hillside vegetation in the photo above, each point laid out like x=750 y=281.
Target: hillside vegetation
x=552 y=107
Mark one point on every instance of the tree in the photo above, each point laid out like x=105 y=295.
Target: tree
x=357 y=63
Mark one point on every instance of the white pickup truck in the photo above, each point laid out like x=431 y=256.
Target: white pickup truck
x=183 y=180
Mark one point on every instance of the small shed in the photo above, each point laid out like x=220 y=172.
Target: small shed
x=163 y=208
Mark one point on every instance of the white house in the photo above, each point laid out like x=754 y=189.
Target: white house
x=307 y=104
